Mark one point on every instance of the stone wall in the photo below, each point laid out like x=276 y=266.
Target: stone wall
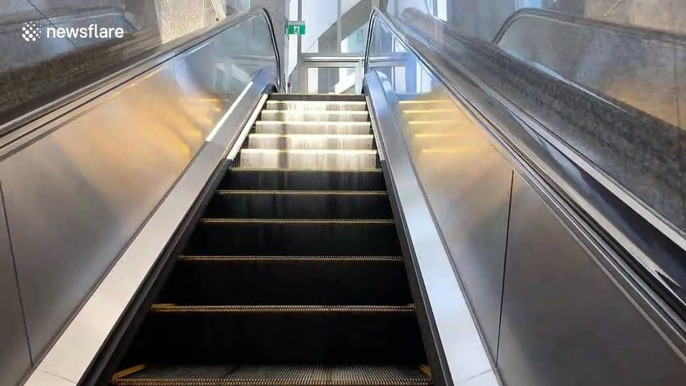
x=41 y=70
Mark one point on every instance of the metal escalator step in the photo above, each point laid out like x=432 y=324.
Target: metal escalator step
x=304 y=204
x=286 y=221
x=279 y=334
x=318 y=159
x=311 y=141
x=293 y=237
x=273 y=375
x=261 y=309
x=324 y=280
x=305 y=127
x=317 y=105
x=248 y=178
x=314 y=116
x=289 y=258
x=318 y=97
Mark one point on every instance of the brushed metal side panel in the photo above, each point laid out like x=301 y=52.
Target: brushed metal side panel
x=465 y=179
x=461 y=354
x=467 y=183
x=15 y=359
x=77 y=196
x=564 y=322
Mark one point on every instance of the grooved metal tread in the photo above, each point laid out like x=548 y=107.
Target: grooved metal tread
x=288 y=258
x=261 y=170
x=319 y=309
x=314 y=123
x=303 y=192
x=316 y=135
x=312 y=151
x=293 y=221
x=273 y=375
x=319 y=112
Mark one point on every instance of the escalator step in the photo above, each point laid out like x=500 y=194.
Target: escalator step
x=251 y=375
x=280 y=334
x=314 y=116
x=317 y=105
x=295 y=97
x=307 y=127
x=311 y=141
x=318 y=159
x=307 y=237
x=326 y=280
x=261 y=309
x=341 y=204
x=243 y=178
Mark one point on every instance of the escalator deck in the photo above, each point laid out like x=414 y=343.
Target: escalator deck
x=293 y=275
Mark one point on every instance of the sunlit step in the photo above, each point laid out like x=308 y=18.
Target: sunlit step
x=442 y=102
x=311 y=141
x=304 y=127
x=315 y=116
x=308 y=159
x=317 y=105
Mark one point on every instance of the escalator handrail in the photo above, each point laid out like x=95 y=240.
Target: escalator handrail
x=117 y=75
x=668 y=293
x=643 y=32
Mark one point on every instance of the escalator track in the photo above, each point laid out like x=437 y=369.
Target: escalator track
x=294 y=274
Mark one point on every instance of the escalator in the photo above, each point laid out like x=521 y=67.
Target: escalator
x=432 y=231
x=293 y=274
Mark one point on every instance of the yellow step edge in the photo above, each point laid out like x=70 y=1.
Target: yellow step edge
x=127 y=372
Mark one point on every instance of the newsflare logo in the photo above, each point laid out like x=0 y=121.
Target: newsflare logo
x=32 y=31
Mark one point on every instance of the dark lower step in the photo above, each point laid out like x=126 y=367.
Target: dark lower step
x=280 y=335
x=239 y=178
x=267 y=237
x=327 y=204
x=253 y=375
x=279 y=280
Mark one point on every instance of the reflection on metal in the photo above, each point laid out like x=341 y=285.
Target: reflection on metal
x=555 y=289
x=52 y=112
x=109 y=183
x=476 y=205
x=463 y=355
x=15 y=357
x=228 y=112
x=629 y=152
x=648 y=241
x=75 y=349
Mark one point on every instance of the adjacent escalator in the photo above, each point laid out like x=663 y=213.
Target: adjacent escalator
x=294 y=274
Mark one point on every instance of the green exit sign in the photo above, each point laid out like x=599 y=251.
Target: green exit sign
x=296 y=28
